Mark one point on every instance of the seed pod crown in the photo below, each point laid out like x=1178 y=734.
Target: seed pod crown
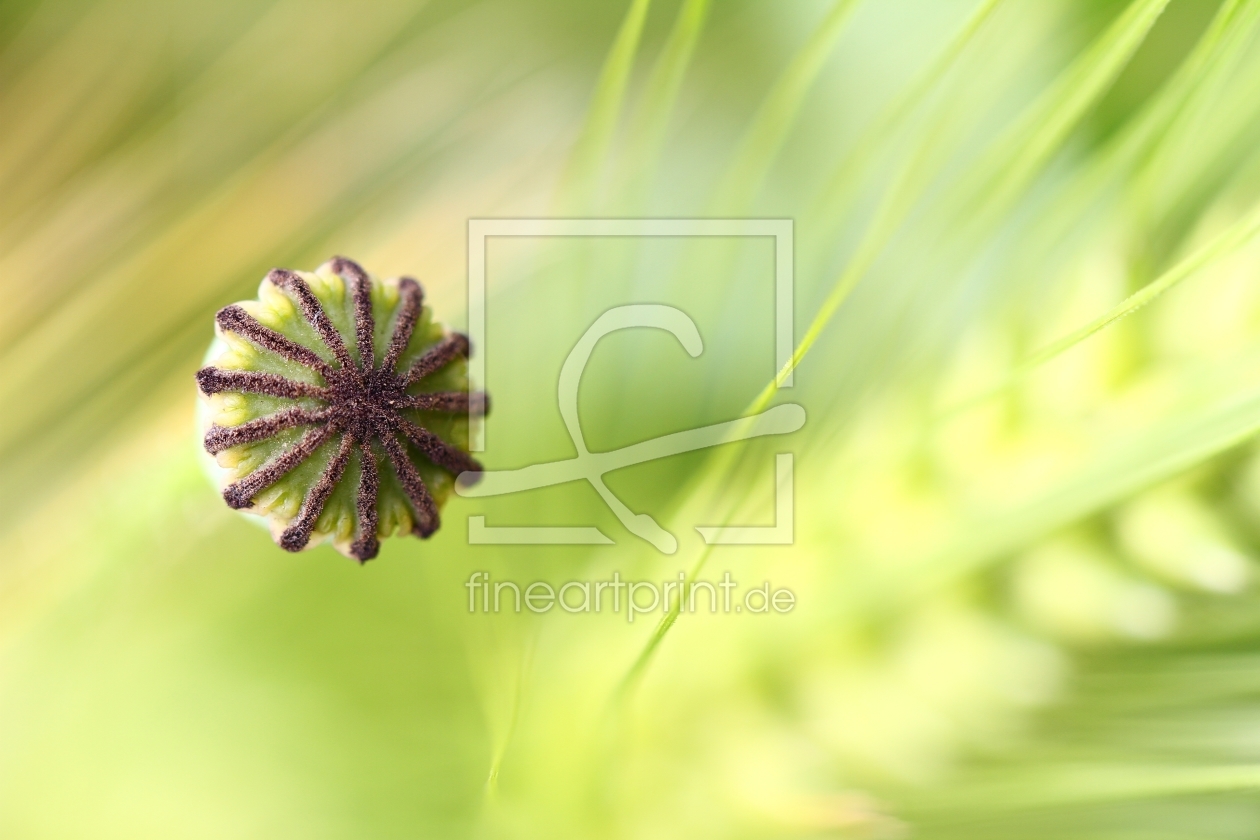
x=337 y=409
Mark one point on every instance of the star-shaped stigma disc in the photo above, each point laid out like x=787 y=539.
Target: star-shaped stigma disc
x=362 y=405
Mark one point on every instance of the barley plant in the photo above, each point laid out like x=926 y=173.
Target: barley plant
x=1027 y=345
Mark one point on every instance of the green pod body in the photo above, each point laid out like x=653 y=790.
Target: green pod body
x=335 y=407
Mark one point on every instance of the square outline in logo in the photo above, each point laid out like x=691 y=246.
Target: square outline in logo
x=781 y=230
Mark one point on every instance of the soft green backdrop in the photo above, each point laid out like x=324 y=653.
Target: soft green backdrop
x=1028 y=508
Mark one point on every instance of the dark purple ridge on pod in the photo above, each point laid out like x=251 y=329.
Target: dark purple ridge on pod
x=363 y=405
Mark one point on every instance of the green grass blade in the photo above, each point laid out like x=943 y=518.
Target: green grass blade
x=1225 y=243
x=839 y=188
x=1043 y=130
x=1228 y=33
x=1131 y=156
x=777 y=114
x=1220 y=420
x=1057 y=786
x=1040 y=133
x=660 y=96
x=591 y=149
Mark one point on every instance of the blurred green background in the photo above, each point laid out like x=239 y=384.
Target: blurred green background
x=1027 y=501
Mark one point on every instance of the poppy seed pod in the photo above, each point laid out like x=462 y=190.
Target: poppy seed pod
x=336 y=408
